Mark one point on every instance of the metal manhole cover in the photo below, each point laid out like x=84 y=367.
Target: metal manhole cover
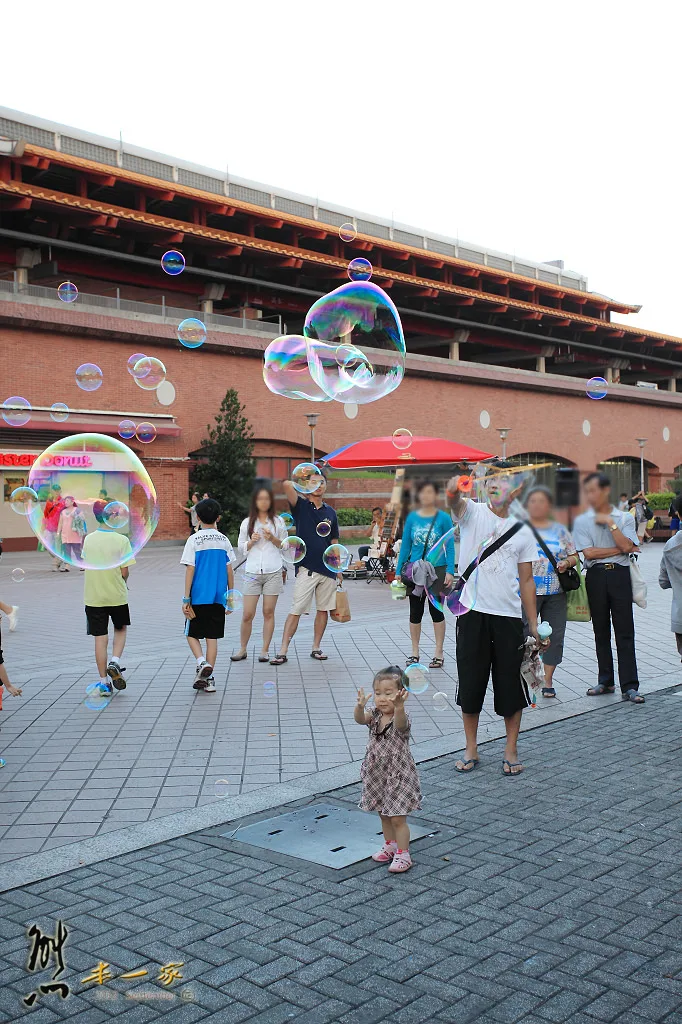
x=322 y=834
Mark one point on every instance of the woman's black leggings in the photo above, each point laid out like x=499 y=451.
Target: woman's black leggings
x=417 y=609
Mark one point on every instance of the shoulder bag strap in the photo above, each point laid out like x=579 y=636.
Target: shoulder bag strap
x=495 y=546
x=544 y=547
x=428 y=536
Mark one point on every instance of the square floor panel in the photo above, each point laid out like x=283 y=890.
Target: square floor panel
x=321 y=833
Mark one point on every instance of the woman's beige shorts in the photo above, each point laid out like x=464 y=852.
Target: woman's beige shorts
x=305 y=585
x=269 y=584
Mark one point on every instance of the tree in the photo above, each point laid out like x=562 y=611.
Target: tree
x=228 y=472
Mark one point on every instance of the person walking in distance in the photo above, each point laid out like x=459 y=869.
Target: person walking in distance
x=490 y=637
x=261 y=536
x=313 y=578
x=191 y=512
x=606 y=536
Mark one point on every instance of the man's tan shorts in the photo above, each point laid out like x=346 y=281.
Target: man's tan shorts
x=305 y=585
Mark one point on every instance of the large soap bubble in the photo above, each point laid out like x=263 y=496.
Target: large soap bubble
x=149 y=372
x=16 y=411
x=286 y=372
x=92 y=468
x=306 y=478
x=359 y=315
x=336 y=558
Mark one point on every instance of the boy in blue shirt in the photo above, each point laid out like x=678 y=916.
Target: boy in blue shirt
x=208 y=576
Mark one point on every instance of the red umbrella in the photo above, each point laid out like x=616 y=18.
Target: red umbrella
x=376 y=452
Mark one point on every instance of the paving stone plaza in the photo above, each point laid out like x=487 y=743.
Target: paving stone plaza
x=551 y=897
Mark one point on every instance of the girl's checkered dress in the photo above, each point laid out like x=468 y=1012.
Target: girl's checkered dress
x=390 y=784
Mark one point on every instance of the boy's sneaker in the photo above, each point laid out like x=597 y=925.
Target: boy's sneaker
x=210 y=685
x=114 y=671
x=401 y=862
x=203 y=674
x=386 y=853
x=12 y=618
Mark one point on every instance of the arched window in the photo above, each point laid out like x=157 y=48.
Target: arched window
x=546 y=474
x=624 y=474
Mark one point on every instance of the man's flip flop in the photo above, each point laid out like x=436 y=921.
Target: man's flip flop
x=467 y=771
x=633 y=696
x=281 y=659
x=596 y=691
x=318 y=656
x=511 y=764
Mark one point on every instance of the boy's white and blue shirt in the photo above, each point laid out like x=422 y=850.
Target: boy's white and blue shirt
x=210 y=552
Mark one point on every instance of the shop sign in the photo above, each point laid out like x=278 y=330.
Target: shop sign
x=17 y=459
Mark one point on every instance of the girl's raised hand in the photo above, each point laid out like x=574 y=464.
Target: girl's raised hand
x=400 y=697
x=362 y=699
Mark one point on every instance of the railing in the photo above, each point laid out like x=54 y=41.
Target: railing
x=13 y=290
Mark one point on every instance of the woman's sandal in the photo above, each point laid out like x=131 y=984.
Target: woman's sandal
x=281 y=659
x=633 y=696
x=596 y=691
x=436 y=662
x=239 y=657
x=264 y=658
x=511 y=764
x=548 y=691
x=318 y=655
x=413 y=660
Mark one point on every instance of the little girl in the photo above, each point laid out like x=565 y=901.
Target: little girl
x=390 y=784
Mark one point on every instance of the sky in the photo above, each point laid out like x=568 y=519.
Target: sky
x=548 y=130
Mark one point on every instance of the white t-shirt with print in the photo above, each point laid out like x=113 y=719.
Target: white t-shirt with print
x=496 y=589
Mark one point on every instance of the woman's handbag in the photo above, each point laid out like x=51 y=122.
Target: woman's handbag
x=405 y=576
x=639 y=589
x=569 y=580
x=577 y=604
x=342 y=611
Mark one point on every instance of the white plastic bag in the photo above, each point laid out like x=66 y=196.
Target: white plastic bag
x=638 y=584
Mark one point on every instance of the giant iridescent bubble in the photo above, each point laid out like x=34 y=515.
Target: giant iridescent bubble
x=286 y=372
x=341 y=328
x=92 y=468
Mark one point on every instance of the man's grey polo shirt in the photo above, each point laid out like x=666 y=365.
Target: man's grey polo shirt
x=588 y=534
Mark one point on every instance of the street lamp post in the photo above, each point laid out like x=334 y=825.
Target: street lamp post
x=504 y=434
x=312 y=420
x=641 y=441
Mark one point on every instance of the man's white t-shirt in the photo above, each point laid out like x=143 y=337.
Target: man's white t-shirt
x=493 y=588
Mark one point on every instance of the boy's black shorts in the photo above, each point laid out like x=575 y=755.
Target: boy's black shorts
x=98 y=618
x=485 y=644
x=208 y=622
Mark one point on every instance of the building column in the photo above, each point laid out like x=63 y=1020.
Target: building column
x=454 y=350
x=540 y=364
x=460 y=336
x=212 y=292
x=608 y=375
x=672 y=383
x=26 y=260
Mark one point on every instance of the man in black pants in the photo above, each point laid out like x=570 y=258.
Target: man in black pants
x=606 y=536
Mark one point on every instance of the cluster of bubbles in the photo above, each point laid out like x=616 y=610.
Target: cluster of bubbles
x=191 y=331
x=85 y=468
x=144 y=431
x=329 y=361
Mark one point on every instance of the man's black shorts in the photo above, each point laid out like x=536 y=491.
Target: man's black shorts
x=98 y=618
x=488 y=643
x=208 y=622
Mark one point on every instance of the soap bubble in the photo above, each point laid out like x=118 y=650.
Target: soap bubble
x=126 y=429
x=459 y=598
x=597 y=388
x=222 y=788
x=89 y=377
x=173 y=262
x=191 y=332
x=347 y=232
x=269 y=688
x=16 y=411
x=286 y=371
x=402 y=439
x=23 y=500
x=146 y=432
x=336 y=558
x=417 y=678
x=288 y=520
x=59 y=412
x=293 y=550
x=350 y=410
x=357 y=314
x=306 y=478
x=324 y=528
x=234 y=600
x=134 y=360
x=83 y=465
x=165 y=393
x=67 y=291
x=116 y=515
x=97 y=696
x=149 y=372
x=440 y=701
x=359 y=269
x=18 y=575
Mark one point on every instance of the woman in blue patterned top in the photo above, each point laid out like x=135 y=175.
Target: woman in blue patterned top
x=551 y=599
x=423 y=528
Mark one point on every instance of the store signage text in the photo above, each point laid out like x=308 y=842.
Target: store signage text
x=59 y=461
x=17 y=459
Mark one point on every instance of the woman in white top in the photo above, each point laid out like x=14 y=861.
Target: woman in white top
x=261 y=536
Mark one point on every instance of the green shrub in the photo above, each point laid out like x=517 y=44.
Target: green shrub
x=659 y=501
x=354 y=516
